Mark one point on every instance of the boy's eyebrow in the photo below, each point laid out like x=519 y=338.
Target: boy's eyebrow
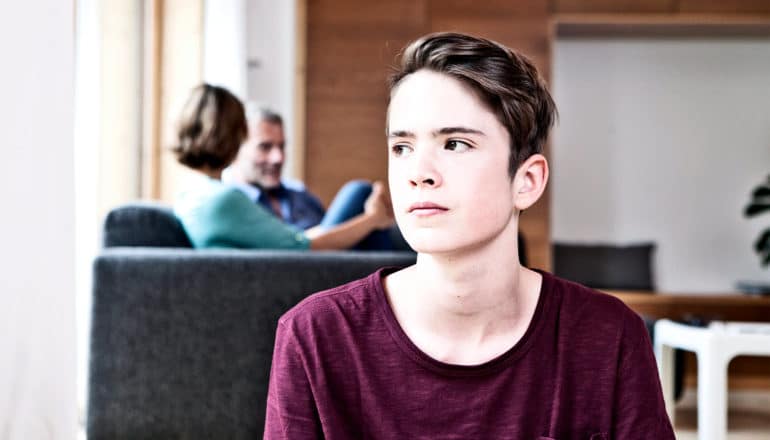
x=400 y=134
x=436 y=133
x=454 y=130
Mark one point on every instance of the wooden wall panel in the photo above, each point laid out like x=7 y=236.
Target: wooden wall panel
x=535 y=225
x=614 y=6
x=463 y=9
x=395 y=15
x=724 y=6
x=356 y=72
x=661 y=6
x=350 y=50
x=353 y=148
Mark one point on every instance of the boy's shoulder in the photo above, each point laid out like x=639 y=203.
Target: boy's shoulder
x=589 y=310
x=324 y=309
x=580 y=294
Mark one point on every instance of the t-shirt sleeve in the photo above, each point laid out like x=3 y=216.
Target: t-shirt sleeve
x=639 y=409
x=231 y=220
x=291 y=411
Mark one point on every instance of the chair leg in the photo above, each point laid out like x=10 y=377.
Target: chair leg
x=665 y=358
x=712 y=395
x=679 y=369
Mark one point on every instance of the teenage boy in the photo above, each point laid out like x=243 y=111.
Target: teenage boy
x=466 y=343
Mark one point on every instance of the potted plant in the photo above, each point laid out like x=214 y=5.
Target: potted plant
x=760 y=202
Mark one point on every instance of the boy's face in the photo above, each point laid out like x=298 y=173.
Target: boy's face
x=448 y=166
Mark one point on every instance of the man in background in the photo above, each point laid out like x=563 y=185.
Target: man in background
x=257 y=172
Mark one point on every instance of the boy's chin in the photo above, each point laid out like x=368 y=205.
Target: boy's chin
x=431 y=242
x=446 y=242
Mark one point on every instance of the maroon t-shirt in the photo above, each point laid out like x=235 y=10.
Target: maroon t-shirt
x=344 y=369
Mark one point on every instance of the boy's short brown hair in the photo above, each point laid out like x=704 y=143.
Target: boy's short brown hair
x=211 y=129
x=505 y=81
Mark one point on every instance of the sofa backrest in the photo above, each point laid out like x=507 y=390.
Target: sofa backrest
x=182 y=340
x=147 y=224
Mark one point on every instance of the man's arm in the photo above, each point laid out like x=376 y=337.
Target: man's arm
x=291 y=411
x=378 y=214
x=345 y=235
x=639 y=409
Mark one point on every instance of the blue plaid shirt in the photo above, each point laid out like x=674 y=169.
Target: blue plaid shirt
x=298 y=206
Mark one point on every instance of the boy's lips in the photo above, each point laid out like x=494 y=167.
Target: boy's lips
x=426 y=209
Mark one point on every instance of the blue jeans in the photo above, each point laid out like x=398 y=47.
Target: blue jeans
x=348 y=203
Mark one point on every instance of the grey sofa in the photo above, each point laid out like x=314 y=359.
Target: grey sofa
x=182 y=339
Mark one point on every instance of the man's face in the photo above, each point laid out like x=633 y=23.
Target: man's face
x=448 y=166
x=261 y=157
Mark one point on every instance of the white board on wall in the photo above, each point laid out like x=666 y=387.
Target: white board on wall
x=664 y=140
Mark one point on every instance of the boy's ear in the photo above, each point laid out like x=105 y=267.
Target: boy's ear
x=530 y=181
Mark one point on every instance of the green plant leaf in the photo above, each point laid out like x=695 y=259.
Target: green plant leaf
x=761 y=191
x=763 y=243
x=756 y=208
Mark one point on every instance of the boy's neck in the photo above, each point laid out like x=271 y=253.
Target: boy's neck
x=473 y=299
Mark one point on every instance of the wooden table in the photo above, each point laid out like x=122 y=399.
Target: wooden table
x=725 y=307
x=744 y=372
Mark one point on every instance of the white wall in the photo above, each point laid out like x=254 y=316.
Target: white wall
x=37 y=304
x=663 y=140
x=271 y=52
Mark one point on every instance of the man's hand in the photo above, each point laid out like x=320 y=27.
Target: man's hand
x=378 y=206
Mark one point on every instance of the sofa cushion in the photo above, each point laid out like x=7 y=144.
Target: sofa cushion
x=146 y=224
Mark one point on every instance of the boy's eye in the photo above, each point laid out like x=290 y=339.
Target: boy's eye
x=400 y=149
x=458 y=146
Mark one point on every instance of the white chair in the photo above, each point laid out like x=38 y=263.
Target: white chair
x=715 y=346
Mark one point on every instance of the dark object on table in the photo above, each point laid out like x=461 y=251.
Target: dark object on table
x=606 y=266
x=759 y=288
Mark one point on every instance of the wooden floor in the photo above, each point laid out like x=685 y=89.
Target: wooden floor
x=748 y=416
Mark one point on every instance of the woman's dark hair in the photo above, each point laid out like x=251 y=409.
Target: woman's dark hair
x=211 y=128
x=505 y=81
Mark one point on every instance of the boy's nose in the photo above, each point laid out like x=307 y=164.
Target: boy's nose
x=424 y=172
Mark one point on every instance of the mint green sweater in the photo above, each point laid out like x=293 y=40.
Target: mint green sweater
x=215 y=215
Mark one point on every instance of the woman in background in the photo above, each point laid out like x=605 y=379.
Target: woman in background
x=211 y=130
